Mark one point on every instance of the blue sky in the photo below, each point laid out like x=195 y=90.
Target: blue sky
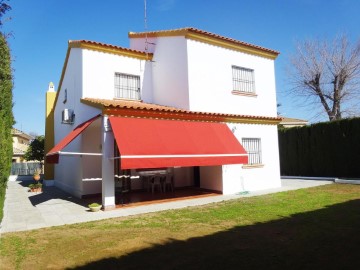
x=42 y=28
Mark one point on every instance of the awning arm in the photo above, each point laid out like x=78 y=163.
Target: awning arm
x=74 y=154
x=113 y=158
x=179 y=156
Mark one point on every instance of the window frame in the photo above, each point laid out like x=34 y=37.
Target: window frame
x=243 y=81
x=253 y=147
x=129 y=90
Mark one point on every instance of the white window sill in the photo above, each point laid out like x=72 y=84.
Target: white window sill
x=246 y=94
x=127 y=99
x=252 y=166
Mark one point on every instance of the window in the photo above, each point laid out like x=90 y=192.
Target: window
x=127 y=86
x=243 y=80
x=253 y=147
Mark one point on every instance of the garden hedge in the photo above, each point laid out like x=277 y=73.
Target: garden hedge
x=6 y=117
x=329 y=149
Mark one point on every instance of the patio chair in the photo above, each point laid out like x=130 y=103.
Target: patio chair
x=168 y=181
x=156 y=183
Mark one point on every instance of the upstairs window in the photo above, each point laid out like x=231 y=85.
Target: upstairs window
x=253 y=148
x=127 y=86
x=243 y=80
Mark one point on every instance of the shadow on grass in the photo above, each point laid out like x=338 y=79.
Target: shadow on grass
x=328 y=238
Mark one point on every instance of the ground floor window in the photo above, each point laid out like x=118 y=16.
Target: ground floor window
x=253 y=148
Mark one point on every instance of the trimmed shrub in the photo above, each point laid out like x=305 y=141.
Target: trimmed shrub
x=6 y=117
x=325 y=149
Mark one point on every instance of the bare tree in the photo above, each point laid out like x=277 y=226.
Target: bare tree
x=328 y=73
x=3 y=9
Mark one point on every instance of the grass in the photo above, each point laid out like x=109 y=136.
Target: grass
x=315 y=228
x=2 y=200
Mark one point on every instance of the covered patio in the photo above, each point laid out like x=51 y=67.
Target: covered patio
x=141 y=197
x=196 y=145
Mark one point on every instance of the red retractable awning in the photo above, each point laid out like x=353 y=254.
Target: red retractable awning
x=151 y=143
x=53 y=155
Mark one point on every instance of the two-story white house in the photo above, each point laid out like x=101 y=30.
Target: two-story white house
x=199 y=103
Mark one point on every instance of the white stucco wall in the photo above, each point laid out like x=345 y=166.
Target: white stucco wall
x=237 y=178
x=89 y=74
x=140 y=44
x=91 y=143
x=210 y=81
x=69 y=170
x=170 y=77
x=99 y=69
x=197 y=76
x=68 y=173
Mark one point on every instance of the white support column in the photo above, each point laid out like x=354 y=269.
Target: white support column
x=108 y=190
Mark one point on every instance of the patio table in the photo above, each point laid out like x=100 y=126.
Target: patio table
x=151 y=174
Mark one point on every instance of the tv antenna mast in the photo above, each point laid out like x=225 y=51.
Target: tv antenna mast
x=145 y=28
x=146 y=34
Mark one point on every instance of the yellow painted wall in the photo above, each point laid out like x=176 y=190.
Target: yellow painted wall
x=49 y=132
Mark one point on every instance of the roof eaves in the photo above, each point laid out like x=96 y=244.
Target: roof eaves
x=295 y=120
x=108 y=48
x=211 y=38
x=92 y=103
x=134 y=106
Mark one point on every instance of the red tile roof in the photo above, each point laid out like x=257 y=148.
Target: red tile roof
x=293 y=120
x=138 y=105
x=78 y=43
x=130 y=104
x=183 y=31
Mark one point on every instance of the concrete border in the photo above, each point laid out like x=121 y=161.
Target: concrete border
x=348 y=181
x=334 y=179
x=310 y=178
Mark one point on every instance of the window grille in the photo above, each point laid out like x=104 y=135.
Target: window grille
x=253 y=148
x=127 y=86
x=243 y=79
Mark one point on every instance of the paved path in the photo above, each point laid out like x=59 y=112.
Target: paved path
x=24 y=210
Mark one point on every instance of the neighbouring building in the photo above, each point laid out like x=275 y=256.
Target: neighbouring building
x=21 y=142
x=287 y=122
x=197 y=102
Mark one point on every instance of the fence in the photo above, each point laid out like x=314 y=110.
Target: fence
x=26 y=168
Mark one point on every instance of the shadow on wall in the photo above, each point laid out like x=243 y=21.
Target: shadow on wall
x=328 y=238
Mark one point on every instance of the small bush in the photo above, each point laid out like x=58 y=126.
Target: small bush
x=93 y=205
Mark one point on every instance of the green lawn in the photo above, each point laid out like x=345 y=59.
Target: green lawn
x=2 y=200
x=315 y=228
